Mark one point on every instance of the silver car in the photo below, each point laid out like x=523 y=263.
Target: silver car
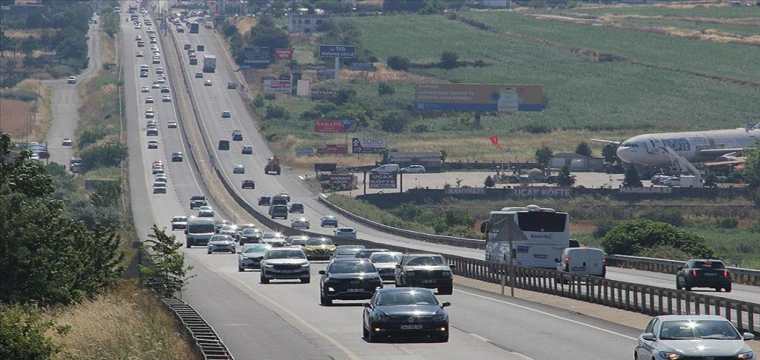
x=231 y=230
x=221 y=243
x=692 y=337
x=285 y=263
x=275 y=239
x=179 y=222
x=251 y=255
x=385 y=263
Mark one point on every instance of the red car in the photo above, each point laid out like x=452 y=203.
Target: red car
x=249 y=184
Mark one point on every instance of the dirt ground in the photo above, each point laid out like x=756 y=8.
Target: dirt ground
x=14 y=116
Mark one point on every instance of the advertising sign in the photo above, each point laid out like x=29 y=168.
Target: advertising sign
x=465 y=191
x=339 y=51
x=257 y=55
x=363 y=67
x=304 y=152
x=265 y=78
x=277 y=86
x=368 y=145
x=382 y=181
x=326 y=167
x=342 y=179
x=335 y=126
x=646 y=190
x=325 y=74
x=317 y=94
x=283 y=54
x=543 y=192
x=478 y=97
x=336 y=149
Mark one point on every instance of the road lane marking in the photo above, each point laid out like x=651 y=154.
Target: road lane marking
x=548 y=314
x=479 y=337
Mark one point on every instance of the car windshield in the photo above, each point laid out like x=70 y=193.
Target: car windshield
x=200 y=228
x=180 y=218
x=347 y=251
x=256 y=249
x=320 y=241
x=249 y=231
x=708 y=265
x=698 y=329
x=425 y=261
x=352 y=267
x=298 y=242
x=385 y=258
x=410 y=297
x=285 y=254
x=270 y=235
x=221 y=238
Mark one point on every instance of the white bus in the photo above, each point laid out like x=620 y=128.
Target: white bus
x=539 y=235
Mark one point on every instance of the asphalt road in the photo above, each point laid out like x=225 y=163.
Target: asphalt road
x=64 y=103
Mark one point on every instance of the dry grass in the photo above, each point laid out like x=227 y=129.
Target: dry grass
x=15 y=114
x=244 y=25
x=107 y=49
x=127 y=323
x=14 y=117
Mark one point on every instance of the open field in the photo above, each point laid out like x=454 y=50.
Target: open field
x=14 y=117
x=734 y=29
x=15 y=113
x=720 y=12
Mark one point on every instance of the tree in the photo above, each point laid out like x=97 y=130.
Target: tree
x=635 y=236
x=107 y=194
x=449 y=60
x=266 y=33
x=29 y=44
x=399 y=63
x=23 y=334
x=609 y=153
x=565 y=178
x=544 y=155
x=632 y=178
x=584 y=149
x=167 y=273
x=394 y=122
x=751 y=171
x=489 y=183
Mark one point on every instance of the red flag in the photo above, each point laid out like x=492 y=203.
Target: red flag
x=494 y=139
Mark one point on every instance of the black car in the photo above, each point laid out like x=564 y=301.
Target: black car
x=425 y=270
x=296 y=208
x=348 y=279
x=703 y=273
x=366 y=253
x=237 y=135
x=407 y=312
x=265 y=200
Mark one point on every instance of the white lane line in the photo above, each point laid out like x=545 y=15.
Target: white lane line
x=548 y=314
x=274 y=303
x=301 y=177
x=522 y=356
x=479 y=337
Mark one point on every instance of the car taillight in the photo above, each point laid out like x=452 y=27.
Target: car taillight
x=604 y=261
x=725 y=273
x=694 y=273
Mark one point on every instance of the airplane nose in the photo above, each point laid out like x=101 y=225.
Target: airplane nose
x=624 y=153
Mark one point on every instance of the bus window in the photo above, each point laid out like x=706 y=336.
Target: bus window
x=542 y=221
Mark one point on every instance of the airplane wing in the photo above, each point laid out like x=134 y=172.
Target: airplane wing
x=616 y=143
x=717 y=152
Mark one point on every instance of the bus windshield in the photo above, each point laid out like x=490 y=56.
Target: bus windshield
x=200 y=228
x=542 y=221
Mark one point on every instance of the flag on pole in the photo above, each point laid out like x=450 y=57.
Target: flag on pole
x=494 y=139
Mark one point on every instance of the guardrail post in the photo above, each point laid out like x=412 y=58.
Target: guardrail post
x=739 y=310
x=750 y=315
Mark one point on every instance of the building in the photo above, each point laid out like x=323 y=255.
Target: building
x=19 y=11
x=576 y=162
x=306 y=23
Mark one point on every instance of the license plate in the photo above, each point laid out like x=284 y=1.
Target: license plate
x=411 y=327
x=708 y=274
x=355 y=290
x=288 y=271
x=428 y=281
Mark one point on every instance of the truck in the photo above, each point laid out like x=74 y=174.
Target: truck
x=273 y=165
x=194 y=28
x=209 y=63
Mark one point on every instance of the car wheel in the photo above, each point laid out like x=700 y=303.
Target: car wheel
x=264 y=280
x=728 y=288
x=305 y=281
x=326 y=301
x=448 y=290
x=240 y=269
x=444 y=338
x=209 y=252
x=686 y=285
x=365 y=332
x=678 y=284
x=188 y=245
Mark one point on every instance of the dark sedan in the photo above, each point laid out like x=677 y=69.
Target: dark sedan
x=346 y=251
x=407 y=312
x=703 y=273
x=348 y=279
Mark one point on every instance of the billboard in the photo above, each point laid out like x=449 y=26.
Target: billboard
x=304 y=152
x=317 y=94
x=382 y=181
x=465 y=191
x=339 y=51
x=342 y=179
x=329 y=167
x=542 y=191
x=257 y=55
x=336 y=149
x=368 y=145
x=335 y=126
x=277 y=86
x=478 y=97
x=283 y=54
x=325 y=74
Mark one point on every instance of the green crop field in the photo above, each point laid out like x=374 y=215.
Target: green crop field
x=742 y=30
x=706 y=12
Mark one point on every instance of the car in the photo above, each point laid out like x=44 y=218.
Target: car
x=159 y=70
x=411 y=169
x=285 y=263
x=166 y=98
x=319 y=248
x=297 y=240
x=237 y=135
x=150 y=113
x=220 y=243
x=231 y=230
x=366 y=253
x=149 y=100
x=156 y=60
x=247 y=150
x=276 y=239
x=165 y=90
x=692 y=337
x=159 y=188
x=224 y=144
x=180 y=30
x=144 y=74
x=385 y=262
x=199 y=75
x=226 y=114
x=139 y=54
x=251 y=255
x=156 y=85
x=348 y=279
x=219 y=223
x=177 y=156
x=152 y=144
x=140 y=44
x=196 y=201
x=238 y=169
x=232 y=85
x=66 y=142
x=285 y=195
x=300 y=223
x=179 y=222
x=145 y=89
x=248 y=184
x=345 y=233
x=425 y=270
x=171 y=125
x=207 y=83
x=250 y=235
x=346 y=251
x=414 y=312
x=161 y=178
x=703 y=273
x=296 y=208
x=385 y=169
x=328 y=220
x=206 y=211
x=138 y=38
x=278 y=211
x=264 y=201
x=71 y=80
x=151 y=132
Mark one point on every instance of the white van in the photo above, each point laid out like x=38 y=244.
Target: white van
x=583 y=261
x=386 y=169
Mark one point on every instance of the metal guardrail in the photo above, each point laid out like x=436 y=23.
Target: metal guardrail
x=204 y=338
x=739 y=275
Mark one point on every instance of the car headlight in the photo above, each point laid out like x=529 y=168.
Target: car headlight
x=439 y=316
x=746 y=356
x=305 y=265
x=670 y=356
x=267 y=265
x=381 y=317
x=445 y=273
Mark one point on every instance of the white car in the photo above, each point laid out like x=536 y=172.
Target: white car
x=221 y=243
x=206 y=211
x=145 y=89
x=156 y=85
x=153 y=144
x=150 y=100
x=179 y=222
x=66 y=142
x=412 y=169
x=139 y=54
x=345 y=233
x=172 y=125
x=239 y=169
x=207 y=83
x=71 y=80
x=166 y=98
x=161 y=178
x=159 y=188
x=300 y=223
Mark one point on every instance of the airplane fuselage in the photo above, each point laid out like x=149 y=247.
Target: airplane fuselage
x=693 y=146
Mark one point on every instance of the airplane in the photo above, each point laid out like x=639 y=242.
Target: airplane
x=693 y=146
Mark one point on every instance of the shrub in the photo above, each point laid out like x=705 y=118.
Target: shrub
x=23 y=334
x=668 y=216
x=89 y=136
x=277 y=112
x=449 y=60
x=489 y=182
x=393 y=122
x=110 y=154
x=399 y=63
x=727 y=222
x=603 y=226
x=384 y=88
x=634 y=236
x=258 y=101
x=343 y=96
x=421 y=128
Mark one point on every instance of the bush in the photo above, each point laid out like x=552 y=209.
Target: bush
x=110 y=154
x=277 y=112
x=89 y=136
x=258 y=101
x=668 y=216
x=633 y=237
x=449 y=60
x=384 y=88
x=603 y=226
x=394 y=122
x=23 y=334
x=343 y=96
x=489 y=182
x=399 y=63
x=727 y=222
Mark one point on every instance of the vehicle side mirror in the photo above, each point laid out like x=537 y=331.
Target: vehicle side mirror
x=366 y=305
x=748 y=336
x=322 y=272
x=445 y=304
x=648 y=336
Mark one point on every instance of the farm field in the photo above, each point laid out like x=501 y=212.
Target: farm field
x=719 y=12
x=736 y=29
